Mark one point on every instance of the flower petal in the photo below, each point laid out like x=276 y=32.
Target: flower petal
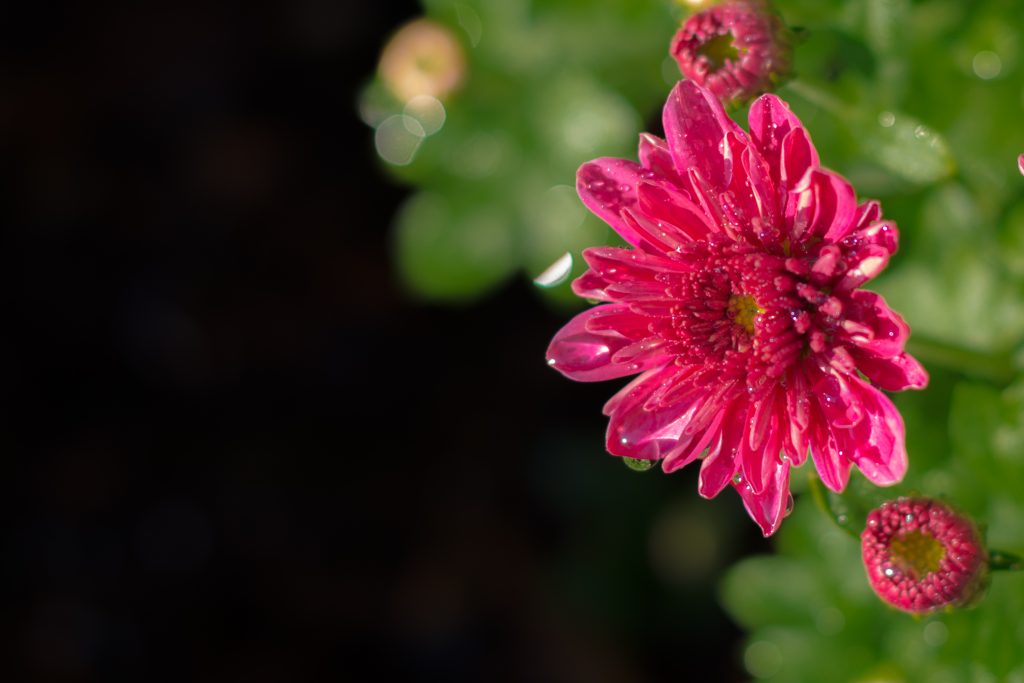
x=656 y=157
x=636 y=430
x=894 y=373
x=607 y=186
x=874 y=327
x=769 y=507
x=586 y=356
x=822 y=206
x=685 y=220
x=695 y=128
x=771 y=122
x=719 y=467
x=877 y=443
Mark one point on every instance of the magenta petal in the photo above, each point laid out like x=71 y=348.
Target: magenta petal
x=863 y=264
x=617 y=265
x=690 y=447
x=586 y=356
x=873 y=326
x=635 y=430
x=868 y=213
x=719 y=467
x=877 y=444
x=695 y=129
x=881 y=234
x=590 y=285
x=685 y=220
x=769 y=507
x=656 y=157
x=831 y=463
x=798 y=157
x=770 y=122
x=894 y=373
x=822 y=205
x=607 y=186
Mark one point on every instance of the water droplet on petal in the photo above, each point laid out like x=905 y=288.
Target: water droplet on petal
x=889 y=571
x=789 y=505
x=639 y=464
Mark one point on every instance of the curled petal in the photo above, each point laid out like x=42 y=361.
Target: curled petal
x=690 y=447
x=586 y=356
x=769 y=506
x=894 y=373
x=873 y=326
x=876 y=445
x=695 y=129
x=822 y=205
x=862 y=265
x=656 y=157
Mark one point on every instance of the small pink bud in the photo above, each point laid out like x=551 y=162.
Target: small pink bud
x=920 y=556
x=737 y=50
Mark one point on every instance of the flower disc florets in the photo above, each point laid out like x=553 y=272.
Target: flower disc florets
x=738 y=49
x=739 y=304
x=921 y=556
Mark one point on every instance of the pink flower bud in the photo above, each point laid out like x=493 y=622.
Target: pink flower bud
x=920 y=555
x=738 y=50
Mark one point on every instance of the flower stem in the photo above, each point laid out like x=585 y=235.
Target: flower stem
x=1003 y=561
x=833 y=505
x=995 y=367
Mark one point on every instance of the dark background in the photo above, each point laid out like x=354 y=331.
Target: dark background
x=235 y=449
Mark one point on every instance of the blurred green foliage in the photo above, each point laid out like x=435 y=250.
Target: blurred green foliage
x=919 y=104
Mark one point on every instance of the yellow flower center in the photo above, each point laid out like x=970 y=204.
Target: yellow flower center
x=744 y=311
x=917 y=553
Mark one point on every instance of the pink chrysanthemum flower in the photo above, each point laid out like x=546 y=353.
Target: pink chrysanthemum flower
x=737 y=50
x=921 y=556
x=739 y=305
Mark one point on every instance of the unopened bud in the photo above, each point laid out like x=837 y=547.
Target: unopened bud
x=738 y=50
x=921 y=556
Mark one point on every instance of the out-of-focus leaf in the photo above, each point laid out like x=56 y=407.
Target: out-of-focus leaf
x=906 y=147
x=454 y=253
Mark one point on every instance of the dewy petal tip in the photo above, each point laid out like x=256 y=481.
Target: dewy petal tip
x=739 y=302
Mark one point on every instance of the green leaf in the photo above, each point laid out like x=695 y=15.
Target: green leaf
x=451 y=252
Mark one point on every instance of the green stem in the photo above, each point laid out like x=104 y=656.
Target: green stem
x=824 y=501
x=995 y=367
x=1002 y=561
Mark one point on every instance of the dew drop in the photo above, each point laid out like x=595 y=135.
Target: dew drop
x=842 y=519
x=551 y=362
x=908 y=518
x=789 y=505
x=737 y=479
x=639 y=464
x=889 y=571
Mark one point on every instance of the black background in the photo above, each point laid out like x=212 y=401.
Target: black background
x=235 y=449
